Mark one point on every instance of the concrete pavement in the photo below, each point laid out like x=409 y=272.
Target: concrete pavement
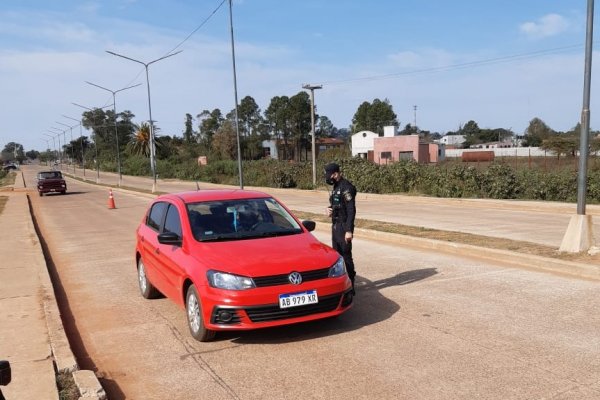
x=31 y=334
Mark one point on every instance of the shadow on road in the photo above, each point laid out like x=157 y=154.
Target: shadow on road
x=370 y=307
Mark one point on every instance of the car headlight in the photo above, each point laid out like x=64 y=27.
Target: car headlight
x=338 y=269
x=223 y=280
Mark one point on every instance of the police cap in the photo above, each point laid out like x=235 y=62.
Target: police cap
x=331 y=168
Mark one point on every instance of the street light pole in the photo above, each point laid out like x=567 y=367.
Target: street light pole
x=580 y=236
x=152 y=138
x=237 y=125
x=53 y=143
x=80 y=140
x=60 y=153
x=95 y=141
x=114 y=93
x=312 y=123
x=72 y=152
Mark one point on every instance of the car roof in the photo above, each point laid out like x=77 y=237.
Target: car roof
x=213 y=194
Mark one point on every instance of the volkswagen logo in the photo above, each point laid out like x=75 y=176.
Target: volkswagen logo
x=295 y=278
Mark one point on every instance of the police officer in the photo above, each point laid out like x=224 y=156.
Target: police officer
x=342 y=210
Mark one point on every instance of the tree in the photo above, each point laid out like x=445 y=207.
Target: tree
x=300 y=123
x=251 y=126
x=561 y=144
x=408 y=130
x=225 y=142
x=374 y=116
x=325 y=127
x=536 y=132
x=472 y=133
x=140 y=142
x=102 y=124
x=13 y=151
x=32 y=154
x=210 y=122
x=188 y=133
x=277 y=116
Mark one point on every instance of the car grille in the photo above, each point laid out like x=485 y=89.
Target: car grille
x=275 y=280
x=274 y=313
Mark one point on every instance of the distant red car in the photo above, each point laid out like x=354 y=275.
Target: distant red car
x=51 y=182
x=237 y=260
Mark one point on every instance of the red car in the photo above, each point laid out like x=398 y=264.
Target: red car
x=236 y=260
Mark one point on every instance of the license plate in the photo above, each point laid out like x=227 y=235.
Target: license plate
x=298 y=299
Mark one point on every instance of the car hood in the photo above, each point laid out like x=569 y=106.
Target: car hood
x=265 y=256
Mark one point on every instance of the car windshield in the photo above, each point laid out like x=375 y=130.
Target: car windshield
x=240 y=219
x=50 y=175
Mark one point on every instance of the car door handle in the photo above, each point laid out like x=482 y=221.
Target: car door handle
x=157 y=250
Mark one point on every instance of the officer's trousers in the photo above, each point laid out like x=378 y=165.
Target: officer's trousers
x=339 y=244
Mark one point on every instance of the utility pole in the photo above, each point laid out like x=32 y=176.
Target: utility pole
x=579 y=236
x=415 y=120
x=312 y=124
x=235 y=93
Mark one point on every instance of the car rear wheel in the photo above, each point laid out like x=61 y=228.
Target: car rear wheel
x=194 y=316
x=146 y=288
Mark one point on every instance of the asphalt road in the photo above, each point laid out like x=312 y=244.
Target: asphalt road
x=424 y=325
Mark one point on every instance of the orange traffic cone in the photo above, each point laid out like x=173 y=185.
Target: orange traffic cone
x=111 y=200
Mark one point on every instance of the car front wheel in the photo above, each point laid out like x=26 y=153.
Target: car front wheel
x=146 y=288
x=194 y=316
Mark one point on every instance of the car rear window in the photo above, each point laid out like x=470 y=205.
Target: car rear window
x=50 y=175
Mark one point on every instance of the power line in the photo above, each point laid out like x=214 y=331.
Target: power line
x=183 y=41
x=198 y=28
x=489 y=61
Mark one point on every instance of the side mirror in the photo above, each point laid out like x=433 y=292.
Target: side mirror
x=5 y=374
x=169 y=238
x=310 y=225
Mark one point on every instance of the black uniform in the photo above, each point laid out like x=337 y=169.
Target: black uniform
x=343 y=206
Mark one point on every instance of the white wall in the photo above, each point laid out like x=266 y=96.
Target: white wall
x=506 y=152
x=362 y=142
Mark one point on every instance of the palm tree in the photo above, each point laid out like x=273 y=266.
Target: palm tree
x=140 y=142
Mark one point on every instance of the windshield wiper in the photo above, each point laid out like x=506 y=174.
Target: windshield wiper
x=218 y=238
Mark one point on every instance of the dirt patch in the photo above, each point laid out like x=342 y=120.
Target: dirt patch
x=461 y=237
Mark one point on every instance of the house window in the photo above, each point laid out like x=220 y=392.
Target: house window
x=386 y=155
x=405 y=155
x=266 y=152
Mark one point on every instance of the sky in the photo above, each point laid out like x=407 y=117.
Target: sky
x=500 y=63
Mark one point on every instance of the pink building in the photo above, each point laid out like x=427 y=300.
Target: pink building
x=406 y=147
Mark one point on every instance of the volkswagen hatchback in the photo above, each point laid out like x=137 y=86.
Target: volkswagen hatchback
x=237 y=260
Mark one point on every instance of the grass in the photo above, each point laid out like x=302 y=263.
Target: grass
x=461 y=237
x=7 y=179
x=67 y=390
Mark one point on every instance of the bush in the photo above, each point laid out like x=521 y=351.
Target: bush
x=500 y=182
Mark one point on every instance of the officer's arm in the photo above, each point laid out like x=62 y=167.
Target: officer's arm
x=349 y=197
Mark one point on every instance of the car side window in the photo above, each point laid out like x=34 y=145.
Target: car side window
x=156 y=214
x=172 y=221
